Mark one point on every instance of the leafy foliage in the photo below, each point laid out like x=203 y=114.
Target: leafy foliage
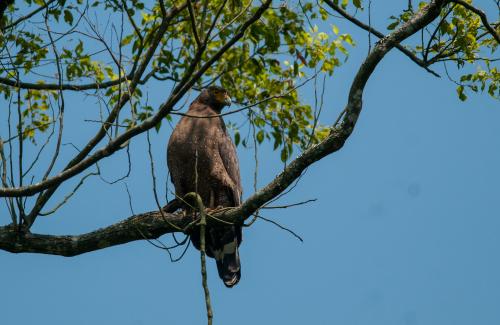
x=460 y=38
x=288 y=46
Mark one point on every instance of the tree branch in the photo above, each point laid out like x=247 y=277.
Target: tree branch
x=152 y=225
x=28 y=16
x=193 y=23
x=149 y=225
x=75 y=87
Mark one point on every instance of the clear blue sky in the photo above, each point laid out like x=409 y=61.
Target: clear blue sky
x=405 y=230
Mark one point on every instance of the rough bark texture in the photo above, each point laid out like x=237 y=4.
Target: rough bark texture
x=148 y=225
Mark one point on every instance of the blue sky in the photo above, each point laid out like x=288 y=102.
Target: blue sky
x=404 y=231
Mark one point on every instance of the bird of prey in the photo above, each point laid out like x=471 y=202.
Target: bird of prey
x=202 y=158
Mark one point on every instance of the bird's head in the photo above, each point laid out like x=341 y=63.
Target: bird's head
x=216 y=97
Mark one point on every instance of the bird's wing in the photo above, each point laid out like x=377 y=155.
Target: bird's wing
x=227 y=152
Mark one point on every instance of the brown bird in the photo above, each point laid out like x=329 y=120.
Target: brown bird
x=202 y=158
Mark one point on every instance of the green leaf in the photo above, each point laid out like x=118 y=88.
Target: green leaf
x=260 y=136
x=237 y=137
x=284 y=154
x=68 y=17
x=335 y=29
x=393 y=25
x=127 y=39
x=461 y=94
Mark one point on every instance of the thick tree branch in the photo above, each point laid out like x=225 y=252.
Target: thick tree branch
x=74 y=87
x=152 y=225
x=149 y=225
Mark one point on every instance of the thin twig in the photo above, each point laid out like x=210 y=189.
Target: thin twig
x=67 y=197
x=44 y=145
x=250 y=105
x=127 y=174
x=433 y=35
x=60 y=100
x=369 y=25
x=214 y=22
x=28 y=16
x=193 y=24
x=288 y=205
x=154 y=241
x=132 y=22
x=9 y=202
x=281 y=227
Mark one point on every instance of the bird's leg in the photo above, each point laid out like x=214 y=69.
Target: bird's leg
x=211 y=202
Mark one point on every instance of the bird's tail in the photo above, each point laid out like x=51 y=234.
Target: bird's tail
x=222 y=244
x=228 y=264
x=225 y=241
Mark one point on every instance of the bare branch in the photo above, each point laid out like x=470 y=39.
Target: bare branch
x=288 y=205
x=69 y=195
x=60 y=98
x=9 y=202
x=281 y=227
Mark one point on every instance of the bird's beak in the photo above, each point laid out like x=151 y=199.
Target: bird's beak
x=227 y=100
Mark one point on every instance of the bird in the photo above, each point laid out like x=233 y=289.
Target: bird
x=202 y=158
